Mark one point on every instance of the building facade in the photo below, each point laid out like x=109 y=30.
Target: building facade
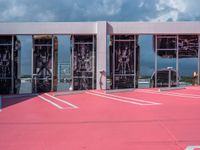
x=90 y=48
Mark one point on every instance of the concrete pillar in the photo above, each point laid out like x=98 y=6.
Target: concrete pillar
x=101 y=27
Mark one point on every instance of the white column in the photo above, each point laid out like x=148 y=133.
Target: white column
x=101 y=28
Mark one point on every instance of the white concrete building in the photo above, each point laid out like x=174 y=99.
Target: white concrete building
x=101 y=30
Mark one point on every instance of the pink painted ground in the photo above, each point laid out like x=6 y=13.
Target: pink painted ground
x=151 y=121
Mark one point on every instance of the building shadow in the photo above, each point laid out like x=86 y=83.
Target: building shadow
x=7 y=101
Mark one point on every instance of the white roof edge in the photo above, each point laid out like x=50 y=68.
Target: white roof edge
x=26 y=28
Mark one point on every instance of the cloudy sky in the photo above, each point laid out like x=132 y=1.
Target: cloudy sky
x=110 y=10
x=92 y=10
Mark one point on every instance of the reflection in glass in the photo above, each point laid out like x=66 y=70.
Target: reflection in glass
x=188 y=46
x=83 y=62
x=42 y=62
x=9 y=73
x=167 y=46
x=122 y=51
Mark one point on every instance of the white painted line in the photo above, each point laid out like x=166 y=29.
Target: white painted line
x=186 y=94
x=47 y=100
x=58 y=99
x=192 y=147
x=116 y=99
x=183 y=94
x=129 y=98
x=193 y=89
x=173 y=94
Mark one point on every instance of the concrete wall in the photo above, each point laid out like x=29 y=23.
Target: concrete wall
x=101 y=53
